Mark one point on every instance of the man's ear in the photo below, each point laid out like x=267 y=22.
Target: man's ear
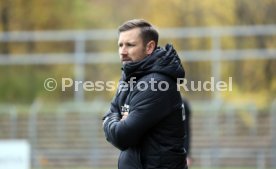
x=150 y=47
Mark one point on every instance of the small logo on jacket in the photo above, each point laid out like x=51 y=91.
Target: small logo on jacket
x=124 y=108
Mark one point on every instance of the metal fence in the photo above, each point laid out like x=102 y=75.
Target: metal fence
x=79 y=58
x=70 y=135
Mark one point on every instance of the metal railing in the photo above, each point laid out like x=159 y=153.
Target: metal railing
x=70 y=133
x=79 y=58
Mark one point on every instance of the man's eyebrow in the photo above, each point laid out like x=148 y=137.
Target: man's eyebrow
x=127 y=42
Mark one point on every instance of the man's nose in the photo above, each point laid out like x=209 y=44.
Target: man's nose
x=123 y=50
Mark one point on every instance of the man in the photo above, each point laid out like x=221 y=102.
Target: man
x=145 y=120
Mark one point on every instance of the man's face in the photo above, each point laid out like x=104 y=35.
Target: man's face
x=131 y=46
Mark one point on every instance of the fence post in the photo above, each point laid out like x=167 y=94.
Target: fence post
x=32 y=132
x=230 y=119
x=13 y=122
x=273 y=133
x=254 y=112
x=216 y=54
x=216 y=107
x=79 y=65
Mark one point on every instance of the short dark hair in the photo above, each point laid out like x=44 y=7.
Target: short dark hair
x=148 y=32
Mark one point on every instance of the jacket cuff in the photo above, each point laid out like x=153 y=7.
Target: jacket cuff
x=111 y=117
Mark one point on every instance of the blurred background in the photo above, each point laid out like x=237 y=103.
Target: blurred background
x=41 y=39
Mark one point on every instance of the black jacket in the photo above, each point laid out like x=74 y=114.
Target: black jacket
x=187 y=112
x=152 y=136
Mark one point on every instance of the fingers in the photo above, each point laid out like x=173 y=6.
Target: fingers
x=125 y=114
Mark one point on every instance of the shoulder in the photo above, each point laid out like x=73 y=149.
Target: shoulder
x=157 y=77
x=156 y=82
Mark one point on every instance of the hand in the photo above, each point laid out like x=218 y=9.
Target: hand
x=125 y=114
x=189 y=161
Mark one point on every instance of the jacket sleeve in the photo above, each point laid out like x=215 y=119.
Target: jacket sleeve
x=188 y=124
x=147 y=108
x=111 y=116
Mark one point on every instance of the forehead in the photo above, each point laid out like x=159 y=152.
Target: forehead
x=130 y=35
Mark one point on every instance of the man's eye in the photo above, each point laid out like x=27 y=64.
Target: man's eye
x=130 y=45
